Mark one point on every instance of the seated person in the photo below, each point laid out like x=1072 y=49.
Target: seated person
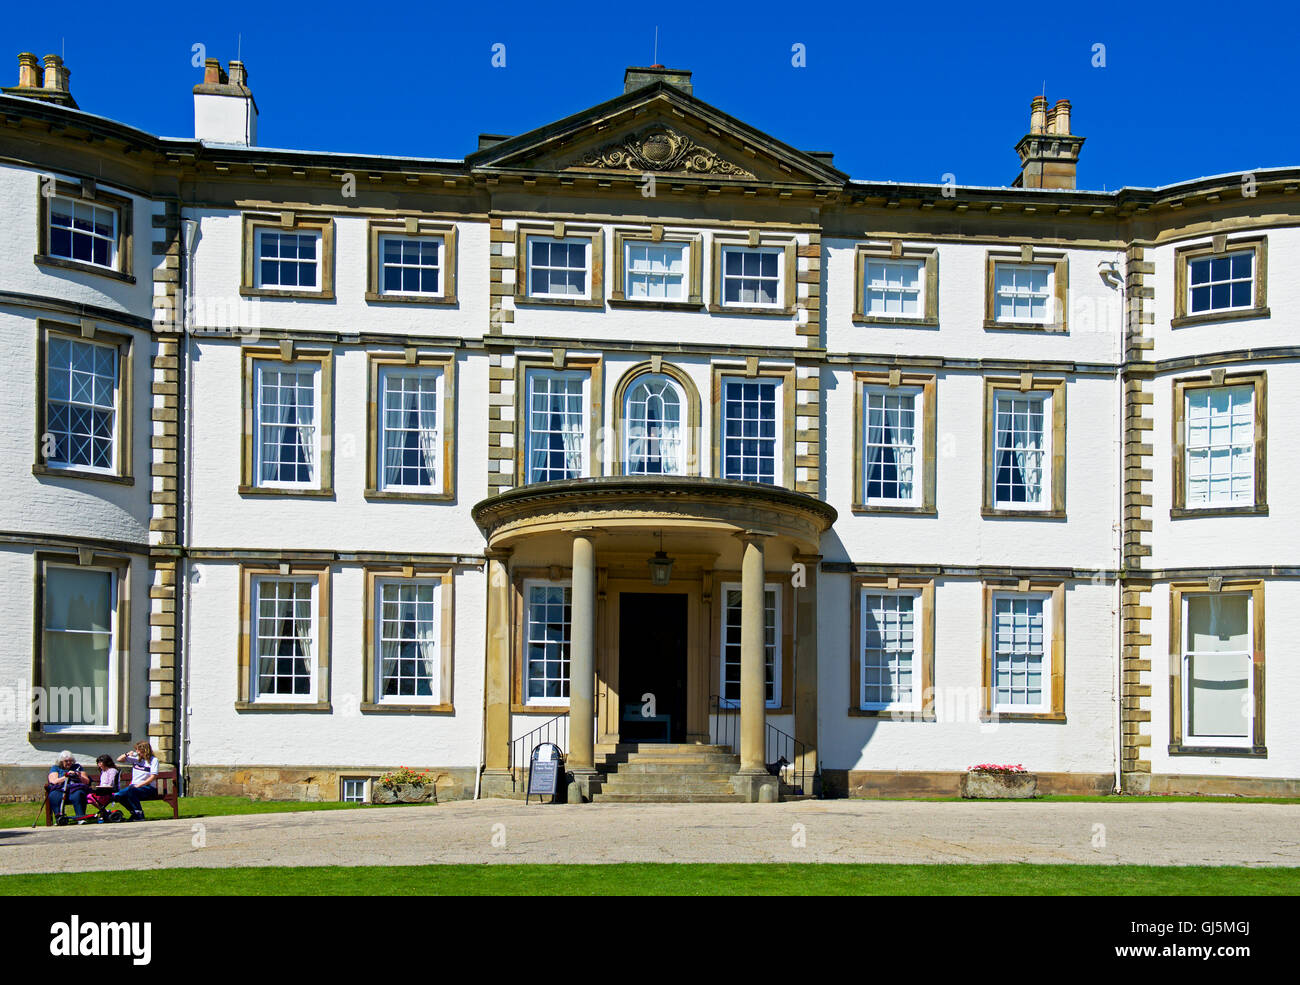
x=101 y=795
x=144 y=779
x=68 y=785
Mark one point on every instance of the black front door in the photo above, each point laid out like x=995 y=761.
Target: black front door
x=652 y=667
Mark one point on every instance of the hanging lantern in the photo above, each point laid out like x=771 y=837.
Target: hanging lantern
x=661 y=565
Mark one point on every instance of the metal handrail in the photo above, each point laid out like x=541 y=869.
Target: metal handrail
x=778 y=746
x=522 y=747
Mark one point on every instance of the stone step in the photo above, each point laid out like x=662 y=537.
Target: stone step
x=670 y=748
x=637 y=766
x=680 y=762
x=667 y=798
x=643 y=780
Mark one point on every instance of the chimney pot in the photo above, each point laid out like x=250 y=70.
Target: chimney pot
x=238 y=74
x=212 y=74
x=1038 y=115
x=1062 y=113
x=56 y=76
x=29 y=71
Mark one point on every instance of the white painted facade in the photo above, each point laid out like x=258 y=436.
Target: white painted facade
x=957 y=548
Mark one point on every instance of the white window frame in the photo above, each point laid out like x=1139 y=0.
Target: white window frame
x=1044 y=502
x=889 y=263
x=526 y=659
x=684 y=277
x=1045 y=704
x=774 y=701
x=365 y=789
x=114 y=652
x=683 y=424
x=440 y=266
x=313 y=668
x=1048 y=294
x=435 y=685
x=72 y=205
x=724 y=277
x=587 y=248
x=116 y=356
x=1230 y=281
x=530 y=376
x=1185 y=655
x=260 y=232
x=916 y=654
x=440 y=426
x=917 y=394
x=778 y=418
x=317 y=422
x=1210 y=502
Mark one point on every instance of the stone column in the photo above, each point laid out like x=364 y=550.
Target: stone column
x=496 y=776
x=805 y=668
x=582 y=657
x=753 y=690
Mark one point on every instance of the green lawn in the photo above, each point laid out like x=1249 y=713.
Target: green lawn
x=660 y=880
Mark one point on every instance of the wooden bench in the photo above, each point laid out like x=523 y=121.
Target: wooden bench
x=168 y=790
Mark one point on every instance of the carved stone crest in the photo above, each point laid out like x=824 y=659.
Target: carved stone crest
x=659 y=148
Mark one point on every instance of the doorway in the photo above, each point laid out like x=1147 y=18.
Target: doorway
x=652 y=661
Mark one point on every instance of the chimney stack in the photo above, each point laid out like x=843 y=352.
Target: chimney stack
x=1049 y=153
x=224 y=109
x=49 y=85
x=639 y=78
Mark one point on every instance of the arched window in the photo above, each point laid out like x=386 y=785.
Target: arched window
x=654 y=429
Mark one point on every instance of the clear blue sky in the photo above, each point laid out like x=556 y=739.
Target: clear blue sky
x=901 y=92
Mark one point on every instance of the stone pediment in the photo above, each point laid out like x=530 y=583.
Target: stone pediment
x=657 y=130
x=661 y=149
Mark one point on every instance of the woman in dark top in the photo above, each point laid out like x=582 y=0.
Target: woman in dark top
x=68 y=785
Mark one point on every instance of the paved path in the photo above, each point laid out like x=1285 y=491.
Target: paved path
x=833 y=831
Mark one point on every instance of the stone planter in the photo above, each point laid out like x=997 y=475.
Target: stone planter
x=999 y=786
x=403 y=793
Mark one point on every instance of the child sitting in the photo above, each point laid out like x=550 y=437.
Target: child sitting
x=99 y=796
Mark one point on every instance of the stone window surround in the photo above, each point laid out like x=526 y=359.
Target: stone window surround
x=754 y=239
x=244 y=701
x=751 y=370
x=413 y=227
x=1055 y=657
x=561 y=360
x=89 y=331
x=691 y=412
x=1027 y=383
x=118 y=715
x=923 y=669
x=656 y=233
x=446 y=638
x=286 y=352
x=1028 y=256
x=561 y=230
x=519 y=577
x=287 y=222
x=896 y=250
x=1217 y=380
x=88 y=191
x=412 y=358
x=927 y=445
x=1177 y=591
x=724 y=579
x=1220 y=244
